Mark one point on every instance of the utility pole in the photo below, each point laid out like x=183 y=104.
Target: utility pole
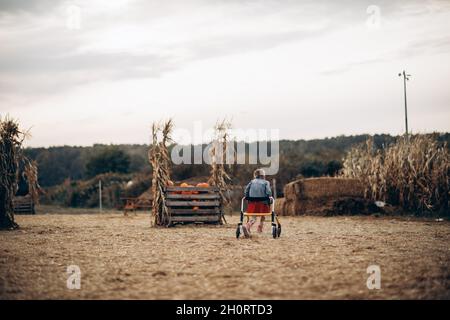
x=405 y=78
x=100 y=194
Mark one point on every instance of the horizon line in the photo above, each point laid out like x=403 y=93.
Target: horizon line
x=247 y=142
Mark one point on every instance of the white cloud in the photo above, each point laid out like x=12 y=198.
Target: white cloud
x=311 y=69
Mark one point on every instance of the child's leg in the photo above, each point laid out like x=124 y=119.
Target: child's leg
x=261 y=224
x=251 y=222
x=247 y=226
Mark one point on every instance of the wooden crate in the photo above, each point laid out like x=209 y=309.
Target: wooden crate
x=193 y=205
x=23 y=205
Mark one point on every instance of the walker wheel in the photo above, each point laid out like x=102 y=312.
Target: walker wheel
x=238 y=232
x=279 y=231
x=274 y=232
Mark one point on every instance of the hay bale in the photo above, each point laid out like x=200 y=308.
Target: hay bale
x=353 y=206
x=317 y=207
x=325 y=187
x=291 y=207
x=326 y=197
x=279 y=206
x=288 y=207
x=292 y=190
x=317 y=196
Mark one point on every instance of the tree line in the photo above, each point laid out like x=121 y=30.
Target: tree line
x=299 y=158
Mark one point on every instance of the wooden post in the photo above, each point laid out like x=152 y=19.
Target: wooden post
x=274 y=183
x=100 y=194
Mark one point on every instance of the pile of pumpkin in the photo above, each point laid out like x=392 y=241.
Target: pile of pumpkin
x=187 y=185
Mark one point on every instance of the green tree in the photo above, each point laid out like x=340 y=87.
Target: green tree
x=313 y=169
x=333 y=168
x=111 y=159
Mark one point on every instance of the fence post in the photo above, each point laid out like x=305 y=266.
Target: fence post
x=274 y=183
x=100 y=194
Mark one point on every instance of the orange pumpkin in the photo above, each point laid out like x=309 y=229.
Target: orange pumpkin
x=185 y=185
x=170 y=184
x=203 y=185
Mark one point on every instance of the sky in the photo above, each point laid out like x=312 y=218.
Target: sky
x=83 y=72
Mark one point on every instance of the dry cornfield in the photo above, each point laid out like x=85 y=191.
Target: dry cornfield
x=413 y=172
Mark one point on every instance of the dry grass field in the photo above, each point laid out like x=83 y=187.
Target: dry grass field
x=315 y=258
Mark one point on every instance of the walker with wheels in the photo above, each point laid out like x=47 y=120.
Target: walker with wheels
x=276 y=226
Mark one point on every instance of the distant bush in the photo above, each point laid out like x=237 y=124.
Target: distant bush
x=86 y=194
x=137 y=186
x=319 y=168
x=111 y=160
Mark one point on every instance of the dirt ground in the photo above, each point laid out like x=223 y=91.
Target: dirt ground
x=315 y=258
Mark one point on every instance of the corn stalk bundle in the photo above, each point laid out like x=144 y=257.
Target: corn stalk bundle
x=218 y=152
x=30 y=173
x=159 y=159
x=361 y=163
x=412 y=173
x=11 y=139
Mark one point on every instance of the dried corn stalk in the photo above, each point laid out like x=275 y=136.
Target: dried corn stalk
x=11 y=139
x=218 y=152
x=159 y=158
x=30 y=173
x=412 y=173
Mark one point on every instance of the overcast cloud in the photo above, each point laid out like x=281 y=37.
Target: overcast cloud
x=309 y=68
